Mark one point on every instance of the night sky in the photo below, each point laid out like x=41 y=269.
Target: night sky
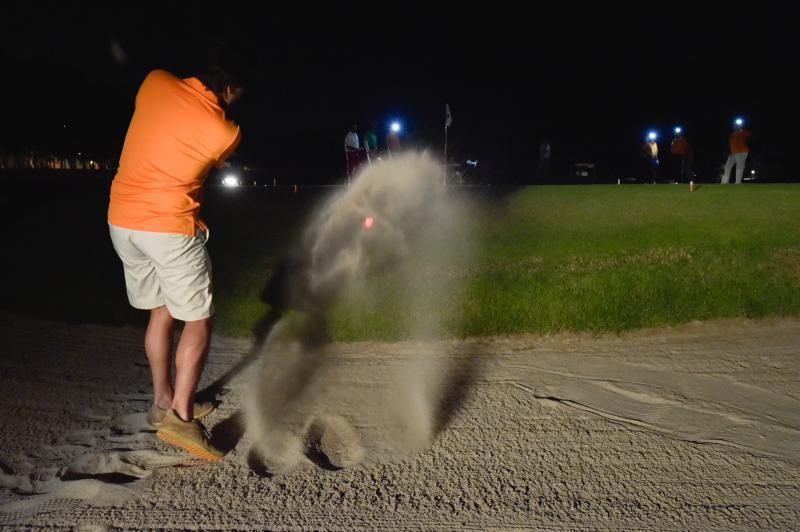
x=590 y=77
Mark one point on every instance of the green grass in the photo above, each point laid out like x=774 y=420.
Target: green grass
x=545 y=259
x=610 y=258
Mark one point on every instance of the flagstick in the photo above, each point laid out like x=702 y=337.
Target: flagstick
x=447 y=121
x=445 y=156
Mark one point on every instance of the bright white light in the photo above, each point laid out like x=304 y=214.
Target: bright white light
x=752 y=172
x=678 y=131
x=395 y=127
x=652 y=135
x=230 y=180
x=739 y=121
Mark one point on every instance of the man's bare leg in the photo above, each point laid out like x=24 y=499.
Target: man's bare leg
x=158 y=346
x=189 y=362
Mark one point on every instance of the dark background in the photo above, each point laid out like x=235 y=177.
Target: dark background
x=590 y=76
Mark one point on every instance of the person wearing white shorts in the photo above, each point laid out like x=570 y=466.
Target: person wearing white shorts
x=166 y=269
x=178 y=131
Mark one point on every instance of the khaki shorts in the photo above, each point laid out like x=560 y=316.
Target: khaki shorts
x=166 y=269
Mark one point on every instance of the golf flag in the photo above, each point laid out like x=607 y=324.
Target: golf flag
x=448 y=118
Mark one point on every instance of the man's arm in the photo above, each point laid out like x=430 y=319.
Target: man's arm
x=229 y=150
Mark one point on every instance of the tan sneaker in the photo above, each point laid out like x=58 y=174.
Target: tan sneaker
x=190 y=436
x=200 y=410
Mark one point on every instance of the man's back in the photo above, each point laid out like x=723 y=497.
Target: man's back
x=680 y=146
x=652 y=149
x=738 y=141
x=351 y=140
x=371 y=140
x=544 y=150
x=178 y=131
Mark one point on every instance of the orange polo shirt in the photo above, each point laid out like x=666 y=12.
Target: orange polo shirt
x=680 y=146
x=178 y=131
x=738 y=141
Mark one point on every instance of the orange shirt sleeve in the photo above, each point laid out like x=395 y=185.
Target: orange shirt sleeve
x=230 y=149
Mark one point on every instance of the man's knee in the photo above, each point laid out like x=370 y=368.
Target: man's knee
x=161 y=315
x=198 y=331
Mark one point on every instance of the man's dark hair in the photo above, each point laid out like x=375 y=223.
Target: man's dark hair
x=224 y=64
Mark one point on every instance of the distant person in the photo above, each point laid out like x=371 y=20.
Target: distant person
x=543 y=168
x=371 y=143
x=352 y=152
x=178 y=131
x=393 y=139
x=737 y=144
x=650 y=156
x=683 y=154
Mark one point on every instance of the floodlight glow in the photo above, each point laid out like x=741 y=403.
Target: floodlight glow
x=230 y=180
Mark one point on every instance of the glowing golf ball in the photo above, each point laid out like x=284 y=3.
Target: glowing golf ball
x=368 y=222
